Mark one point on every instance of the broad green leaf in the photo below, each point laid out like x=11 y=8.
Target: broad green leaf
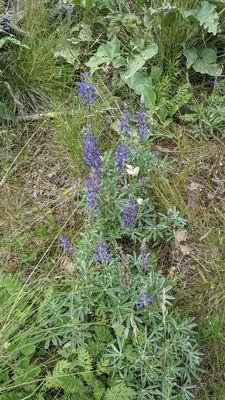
x=85 y=34
x=206 y=62
x=203 y=60
x=138 y=81
x=207 y=16
x=69 y=52
x=105 y=54
x=149 y=97
x=137 y=61
x=191 y=56
x=10 y=39
x=118 y=62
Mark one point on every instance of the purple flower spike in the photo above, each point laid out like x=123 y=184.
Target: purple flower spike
x=129 y=213
x=86 y=91
x=143 y=300
x=101 y=252
x=143 y=130
x=93 y=188
x=121 y=155
x=67 y=247
x=145 y=257
x=124 y=126
x=92 y=155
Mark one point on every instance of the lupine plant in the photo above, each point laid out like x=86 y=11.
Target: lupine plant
x=109 y=331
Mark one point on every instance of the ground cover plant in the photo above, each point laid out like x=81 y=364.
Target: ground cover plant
x=112 y=200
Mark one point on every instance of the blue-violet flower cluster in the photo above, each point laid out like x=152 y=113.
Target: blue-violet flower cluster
x=129 y=213
x=102 y=251
x=86 y=91
x=145 y=257
x=124 y=126
x=141 y=122
x=91 y=152
x=122 y=153
x=67 y=246
x=143 y=299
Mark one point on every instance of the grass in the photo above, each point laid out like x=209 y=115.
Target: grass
x=42 y=176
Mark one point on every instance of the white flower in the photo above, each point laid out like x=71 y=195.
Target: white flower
x=132 y=170
x=140 y=201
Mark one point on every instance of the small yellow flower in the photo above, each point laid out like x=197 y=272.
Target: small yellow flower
x=66 y=192
x=52 y=115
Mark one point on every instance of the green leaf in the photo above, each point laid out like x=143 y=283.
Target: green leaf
x=11 y=40
x=138 y=81
x=5 y=112
x=105 y=54
x=85 y=34
x=137 y=62
x=207 y=16
x=191 y=56
x=149 y=96
x=203 y=60
x=120 y=391
x=69 y=52
x=206 y=62
x=119 y=330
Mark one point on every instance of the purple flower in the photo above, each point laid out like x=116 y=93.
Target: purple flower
x=122 y=155
x=92 y=154
x=143 y=300
x=216 y=83
x=129 y=213
x=93 y=188
x=124 y=126
x=142 y=181
x=86 y=91
x=67 y=247
x=101 y=251
x=145 y=257
x=141 y=122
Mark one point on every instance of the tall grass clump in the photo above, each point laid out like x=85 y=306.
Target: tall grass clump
x=29 y=70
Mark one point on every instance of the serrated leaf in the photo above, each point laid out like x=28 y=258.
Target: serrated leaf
x=120 y=391
x=137 y=61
